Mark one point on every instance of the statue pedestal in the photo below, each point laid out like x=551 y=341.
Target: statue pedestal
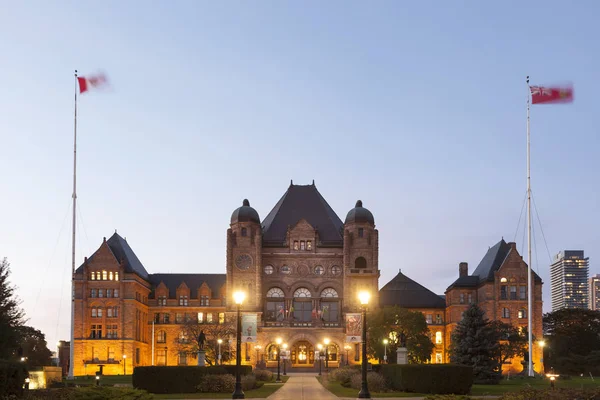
x=402 y=355
x=201 y=358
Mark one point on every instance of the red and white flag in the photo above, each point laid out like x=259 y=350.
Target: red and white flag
x=93 y=82
x=541 y=94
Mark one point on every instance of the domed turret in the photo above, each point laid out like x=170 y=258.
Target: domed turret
x=245 y=214
x=359 y=214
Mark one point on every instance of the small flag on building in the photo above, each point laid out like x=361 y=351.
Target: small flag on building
x=93 y=82
x=542 y=94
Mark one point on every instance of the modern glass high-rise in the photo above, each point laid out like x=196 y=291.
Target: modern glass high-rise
x=595 y=292
x=569 y=279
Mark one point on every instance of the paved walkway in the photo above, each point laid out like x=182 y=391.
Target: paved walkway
x=302 y=387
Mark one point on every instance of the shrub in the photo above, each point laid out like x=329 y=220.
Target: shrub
x=172 y=379
x=89 y=393
x=375 y=382
x=343 y=375
x=553 y=394
x=429 y=378
x=244 y=369
x=248 y=382
x=216 y=384
x=263 y=375
x=12 y=377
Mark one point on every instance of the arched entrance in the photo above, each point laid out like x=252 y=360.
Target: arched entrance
x=302 y=354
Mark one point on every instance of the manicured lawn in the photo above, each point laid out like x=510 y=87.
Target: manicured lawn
x=505 y=386
x=266 y=390
x=516 y=384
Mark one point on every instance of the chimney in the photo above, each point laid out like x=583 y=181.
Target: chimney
x=512 y=245
x=463 y=269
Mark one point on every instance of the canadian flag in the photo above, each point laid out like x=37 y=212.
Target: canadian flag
x=93 y=82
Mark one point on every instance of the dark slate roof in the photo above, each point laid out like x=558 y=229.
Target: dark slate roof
x=123 y=253
x=404 y=292
x=491 y=262
x=359 y=214
x=302 y=201
x=245 y=213
x=193 y=282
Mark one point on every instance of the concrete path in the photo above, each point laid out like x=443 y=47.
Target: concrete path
x=302 y=387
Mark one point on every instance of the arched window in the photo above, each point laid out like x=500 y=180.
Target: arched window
x=329 y=292
x=302 y=292
x=94 y=312
x=360 y=262
x=272 y=352
x=505 y=313
x=275 y=305
x=162 y=337
x=522 y=313
x=275 y=292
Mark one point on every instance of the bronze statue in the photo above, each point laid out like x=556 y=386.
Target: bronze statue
x=402 y=339
x=201 y=340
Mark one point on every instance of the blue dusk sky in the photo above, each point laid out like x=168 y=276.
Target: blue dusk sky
x=417 y=108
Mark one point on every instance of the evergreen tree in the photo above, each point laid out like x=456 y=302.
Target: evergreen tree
x=11 y=315
x=35 y=348
x=475 y=342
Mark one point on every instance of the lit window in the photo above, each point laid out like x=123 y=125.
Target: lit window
x=319 y=270
x=309 y=245
x=275 y=292
x=429 y=318
x=99 y=312
x=221 y=318
x=361 y=232
x=503 y=280
x=93 y=276
x=522 y=313
x=336 y=270
x=268 y=269
x=327 y=292
x=296 y=247
x=302 y=292
x=302 y=245
x=200 y=317
x=104 y=275
x=209 y=318
x=183 y=300
x=179 y=318
x=116 y=276
x=162 y=337
x=110 y=275
x=94 y=312
x=438 y=338
x=109 y=312
x=505 y=313
x=438 y=358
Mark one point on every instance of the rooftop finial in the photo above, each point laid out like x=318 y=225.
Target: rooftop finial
x=115 y=230
x=291 y=182
x=246 y=203
x=313 y=182
x=359 y=203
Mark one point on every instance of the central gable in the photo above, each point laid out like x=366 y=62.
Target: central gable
x=302 y=202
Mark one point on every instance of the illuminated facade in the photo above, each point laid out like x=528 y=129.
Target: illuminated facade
x=594 y=292
x=569 y=280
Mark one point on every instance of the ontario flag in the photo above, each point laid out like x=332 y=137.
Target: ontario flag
x=545 y=94
x=92 y=82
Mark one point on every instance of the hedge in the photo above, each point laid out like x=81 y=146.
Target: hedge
x=12 y=378
x=89 y=393
x=429 y=378
x=177 y=379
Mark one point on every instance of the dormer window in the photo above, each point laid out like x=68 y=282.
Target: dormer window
x=296 y=245
x=244 y=232
x=93 y=276
x=361 y=232
x=302 y=245
x=309 y=245
x=116 y=276
x=110 y=275
x=183 y=300
x=104 y=275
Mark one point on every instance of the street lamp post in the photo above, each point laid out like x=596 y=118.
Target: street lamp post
x=385 y=343
x=220 y=361
x=320 y=347
x=364 y=389
x=238 y=393
x=284 y=358
x=347 y=348
x=257 y=348
x=326 y=341
x=124 y=364
x=278 y=341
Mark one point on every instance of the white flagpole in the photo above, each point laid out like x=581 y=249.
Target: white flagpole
x=529 y=280
x=72 y=344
